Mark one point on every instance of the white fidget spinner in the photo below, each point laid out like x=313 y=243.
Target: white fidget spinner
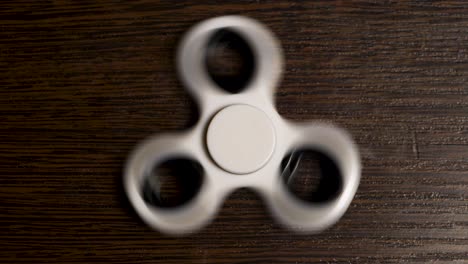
x=240 y=141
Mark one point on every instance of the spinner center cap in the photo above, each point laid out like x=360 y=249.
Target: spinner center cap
x=241 y=139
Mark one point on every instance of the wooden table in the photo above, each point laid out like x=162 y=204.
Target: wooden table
x=81 y=82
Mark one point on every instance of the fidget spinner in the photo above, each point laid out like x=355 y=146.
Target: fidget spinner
x=240 y=141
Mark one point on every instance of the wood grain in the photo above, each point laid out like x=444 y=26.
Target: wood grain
x=81 y=82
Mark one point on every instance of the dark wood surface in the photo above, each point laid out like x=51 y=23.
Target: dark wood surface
x=81 y=82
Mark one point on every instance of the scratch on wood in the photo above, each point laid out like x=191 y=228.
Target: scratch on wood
x=415 y=145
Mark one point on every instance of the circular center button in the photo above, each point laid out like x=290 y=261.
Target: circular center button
x=241 y=139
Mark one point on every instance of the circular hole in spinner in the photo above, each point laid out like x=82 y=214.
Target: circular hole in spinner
x=173 y=182
x=311 y=176
x=229 y=60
